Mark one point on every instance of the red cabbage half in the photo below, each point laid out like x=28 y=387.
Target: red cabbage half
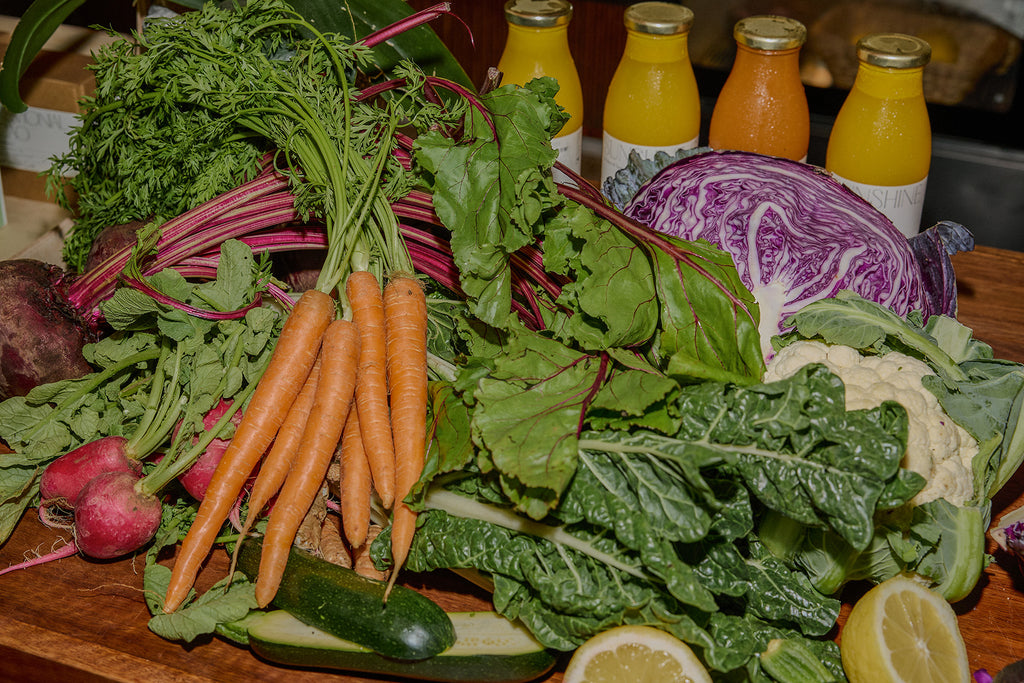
x=795 y=233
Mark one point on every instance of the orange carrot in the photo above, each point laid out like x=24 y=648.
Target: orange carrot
x=367 y=304
x=340 y=355
x=405 y=312
x=275 y=466
x=278 y=461
x=355 y=473
x=290 y=363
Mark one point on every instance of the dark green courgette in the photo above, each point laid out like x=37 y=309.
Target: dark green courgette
x=489 y=649
x=409 y=626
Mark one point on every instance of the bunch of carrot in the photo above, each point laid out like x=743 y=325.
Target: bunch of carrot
x=360 y=383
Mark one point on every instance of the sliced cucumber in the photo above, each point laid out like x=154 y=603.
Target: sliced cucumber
x=408 y=626
x=488 y=648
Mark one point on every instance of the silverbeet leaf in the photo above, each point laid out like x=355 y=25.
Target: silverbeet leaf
x=797 y=448
x=656 y=528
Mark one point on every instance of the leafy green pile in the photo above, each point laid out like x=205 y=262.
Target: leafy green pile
x=657 y=523
x=727 y=514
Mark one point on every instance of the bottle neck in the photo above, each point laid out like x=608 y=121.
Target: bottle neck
x=555 y=38
x=888 y=83
x=645 y=47
x=781 y=61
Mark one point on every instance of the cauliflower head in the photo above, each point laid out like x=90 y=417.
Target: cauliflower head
x=938 y=449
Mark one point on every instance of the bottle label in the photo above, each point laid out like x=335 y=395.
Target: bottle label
x=615 y=153
x=901 y=203
x=570 y=152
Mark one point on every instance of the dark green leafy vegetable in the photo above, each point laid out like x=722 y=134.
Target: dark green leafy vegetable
x=214 y=128
x=690 y=563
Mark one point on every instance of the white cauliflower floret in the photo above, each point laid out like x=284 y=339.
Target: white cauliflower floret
x=938 y=449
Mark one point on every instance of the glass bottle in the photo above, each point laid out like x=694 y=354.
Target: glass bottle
x=652 y=103
x=538 y=45
x=763 y=107
x=881 y=142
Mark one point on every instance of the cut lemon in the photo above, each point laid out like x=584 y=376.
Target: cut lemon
x=639 y=654
x=901 y=631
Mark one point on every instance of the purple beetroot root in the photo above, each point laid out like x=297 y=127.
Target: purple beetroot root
x=41 y=335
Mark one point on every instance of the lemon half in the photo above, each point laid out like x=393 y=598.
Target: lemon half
x=903 y=632
x=638 y=654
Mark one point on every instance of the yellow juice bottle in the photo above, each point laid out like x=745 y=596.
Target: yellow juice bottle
x=881 y=143
x=538 y=45
x=652 y=103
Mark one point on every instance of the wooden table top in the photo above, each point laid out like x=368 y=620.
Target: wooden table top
x=77 y=620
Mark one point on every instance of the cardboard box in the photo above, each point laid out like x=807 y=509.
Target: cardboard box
x=51 y=87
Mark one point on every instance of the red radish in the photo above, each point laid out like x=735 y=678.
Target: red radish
x=114 y=516
x=197 y=478
x=63 y=479
x=66 y=550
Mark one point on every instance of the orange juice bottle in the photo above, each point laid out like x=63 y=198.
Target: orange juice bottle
x=538 y=45
x=881 y=142
x=762 y=106
x=652 y=103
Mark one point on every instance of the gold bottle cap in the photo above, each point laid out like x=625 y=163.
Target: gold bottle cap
x=769 y=32
x=658 y=18
x=893 y=50
x=538 y=13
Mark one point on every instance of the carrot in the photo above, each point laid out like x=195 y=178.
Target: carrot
x=274 y=468
x=405 y=312
x=289 y=365
x=355 y=473
x=340 y=355
x=367 y=305
x=278 y=461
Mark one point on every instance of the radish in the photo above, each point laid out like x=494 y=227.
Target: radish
x=197 y=477
x=115 y=515
x=64 y=478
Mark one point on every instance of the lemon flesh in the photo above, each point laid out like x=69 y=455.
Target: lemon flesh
x=639 y=654
x=901 y=631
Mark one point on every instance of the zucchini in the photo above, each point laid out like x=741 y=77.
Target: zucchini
x=489 y=649
x=409 y=626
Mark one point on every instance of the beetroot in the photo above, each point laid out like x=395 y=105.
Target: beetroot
x=41 y=335
x=114 y=517
x=111 y=241
x=300 y=269
x=63 y=479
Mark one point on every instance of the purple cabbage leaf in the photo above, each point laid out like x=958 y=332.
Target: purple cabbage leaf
x=797 y=235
